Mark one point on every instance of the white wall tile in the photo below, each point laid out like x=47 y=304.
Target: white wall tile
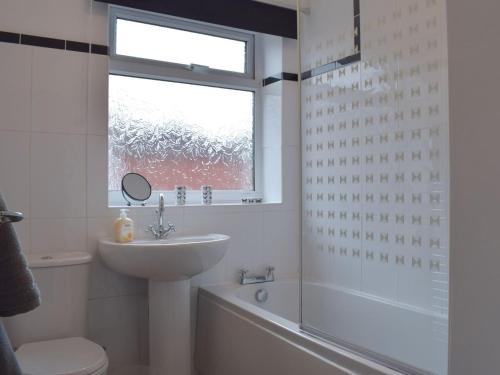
x=98 y=95
x=15 y=81
x=281 y=242
x=245 y=248
x=269 y=59
x=290 y=114
x=105 y=282
x=272 y=115
x=272 y=174
x=290 y=56
x=58 y=235
x=14 y=170
x=97 y=176
x=68 y=19
x=291 y=178
x=114 y=323
x=59 y=91
x=57 y=176
x=99 y=28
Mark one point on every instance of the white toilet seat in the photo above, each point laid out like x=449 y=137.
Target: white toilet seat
x=71 y=356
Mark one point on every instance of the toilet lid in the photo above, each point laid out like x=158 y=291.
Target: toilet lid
x=72 y=356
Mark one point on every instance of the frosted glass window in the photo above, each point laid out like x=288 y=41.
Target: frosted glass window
x=180 y=134
x=167 y=44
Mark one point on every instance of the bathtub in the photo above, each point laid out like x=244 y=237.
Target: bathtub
x=236 y=334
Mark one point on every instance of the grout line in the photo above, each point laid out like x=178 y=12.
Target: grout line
x=117 y=296
x=30 y=144
x=88 y=86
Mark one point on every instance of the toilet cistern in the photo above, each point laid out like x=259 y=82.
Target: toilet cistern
x=159 y=231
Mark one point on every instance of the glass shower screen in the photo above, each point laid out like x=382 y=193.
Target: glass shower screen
x=375 y=174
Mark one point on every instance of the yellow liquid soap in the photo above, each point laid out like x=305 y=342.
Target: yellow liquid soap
x=124 y=228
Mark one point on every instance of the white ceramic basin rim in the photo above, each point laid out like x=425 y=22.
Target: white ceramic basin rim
x=172 y=259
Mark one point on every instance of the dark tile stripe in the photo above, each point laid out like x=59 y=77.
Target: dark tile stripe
x=290 y=76
x=306 y=75
x=324 y=69
x=99 y=49
x=40 y=41
x=331 y=66
x=77 y=46
x=357 y=8
x=9 y=37
x=357 y=36
x=280 y=77
x=270 y=80
x=349 y=60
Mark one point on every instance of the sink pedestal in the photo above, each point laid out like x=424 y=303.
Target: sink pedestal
x=169 y=327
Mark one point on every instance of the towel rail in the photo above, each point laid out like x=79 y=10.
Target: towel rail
x=10 y=217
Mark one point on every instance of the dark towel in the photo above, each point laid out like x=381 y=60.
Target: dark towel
x=18 y=291
x=8 y=361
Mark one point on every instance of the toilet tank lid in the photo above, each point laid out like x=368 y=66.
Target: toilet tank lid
x=44 y=260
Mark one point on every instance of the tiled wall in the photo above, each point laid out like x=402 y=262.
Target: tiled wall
x=53 y=167
x=375 y=142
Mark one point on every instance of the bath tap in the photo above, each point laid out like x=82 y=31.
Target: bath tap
x=159 y=231
x=246 y=279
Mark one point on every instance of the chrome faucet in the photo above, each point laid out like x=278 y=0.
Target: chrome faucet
x=246 y=279
x=159 y=231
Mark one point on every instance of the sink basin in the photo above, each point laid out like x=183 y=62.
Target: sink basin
x=172 y=259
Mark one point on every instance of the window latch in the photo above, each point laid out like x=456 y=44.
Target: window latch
x=198 y=68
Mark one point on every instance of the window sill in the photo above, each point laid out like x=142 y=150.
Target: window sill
x=221 y=204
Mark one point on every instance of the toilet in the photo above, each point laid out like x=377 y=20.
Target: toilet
x=51 y=339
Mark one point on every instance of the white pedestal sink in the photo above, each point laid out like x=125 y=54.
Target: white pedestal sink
x=168 y=264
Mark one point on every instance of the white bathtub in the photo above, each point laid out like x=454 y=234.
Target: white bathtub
x=238 y=335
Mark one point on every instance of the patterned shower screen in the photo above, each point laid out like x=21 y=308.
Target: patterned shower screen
x=375 y=179
x=180 y=134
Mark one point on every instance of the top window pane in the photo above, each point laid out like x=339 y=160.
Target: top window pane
x=161 y=43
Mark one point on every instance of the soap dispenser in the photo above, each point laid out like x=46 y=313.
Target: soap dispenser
x=124 y=228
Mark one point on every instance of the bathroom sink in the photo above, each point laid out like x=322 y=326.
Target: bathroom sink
x=173 y=259
x=168 y=265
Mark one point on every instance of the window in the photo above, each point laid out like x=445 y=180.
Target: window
x=174 y=134
x=179 y=46
x=182 y=99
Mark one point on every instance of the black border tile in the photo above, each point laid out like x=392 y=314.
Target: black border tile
x=270 y=80
x=77 y=46
x=357 y=35
x=349 y=60
x=306 y=75
x=280 y=77
x=324 y=69
x=41 y=41
x=290 y=76
x=99 y=49
x=9 y=37
x=357 y=8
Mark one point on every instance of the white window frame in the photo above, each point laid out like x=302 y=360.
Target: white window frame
x=173 y=72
